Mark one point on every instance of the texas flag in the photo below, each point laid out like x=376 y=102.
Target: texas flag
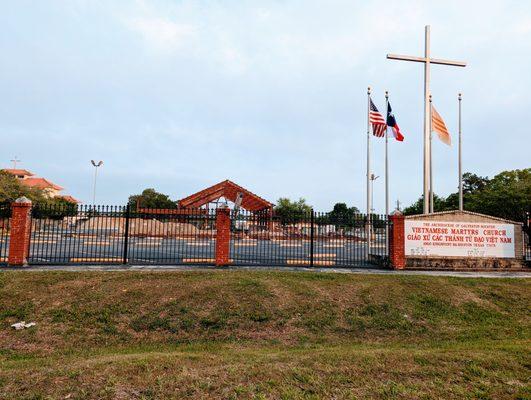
x=391 y=123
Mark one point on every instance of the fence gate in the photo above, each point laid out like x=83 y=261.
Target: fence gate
x=71 y=234
x=309 y=239
x=178 y=237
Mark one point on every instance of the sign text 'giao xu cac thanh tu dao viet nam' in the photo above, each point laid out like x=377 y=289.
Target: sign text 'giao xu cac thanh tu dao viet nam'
x=459 y=239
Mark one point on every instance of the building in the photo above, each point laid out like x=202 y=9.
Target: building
x=28 y=179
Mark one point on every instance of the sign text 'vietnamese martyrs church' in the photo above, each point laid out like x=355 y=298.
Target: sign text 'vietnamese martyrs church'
x=459 y=239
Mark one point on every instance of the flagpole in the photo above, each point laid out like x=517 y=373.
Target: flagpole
x=368 y=228
x=386 y=172
x=460 y=160
x=431 y=162
x=427 y=124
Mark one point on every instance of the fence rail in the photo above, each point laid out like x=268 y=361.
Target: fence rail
x=84 y=234
x=307 y=239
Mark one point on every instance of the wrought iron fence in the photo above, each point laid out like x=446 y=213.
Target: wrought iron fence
x=5 y=215
x=71 y=234
x=176 y=237
x=84 y=234
x=308 y=239
x=115 y=235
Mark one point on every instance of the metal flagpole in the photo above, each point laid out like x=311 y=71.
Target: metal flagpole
x=460 y=160
x=386 y=173
x=368 y=228
x=427 y=112
x=431 y=165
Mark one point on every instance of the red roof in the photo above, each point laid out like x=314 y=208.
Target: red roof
x=40 y=183
x=229 y=190
x=17 y=172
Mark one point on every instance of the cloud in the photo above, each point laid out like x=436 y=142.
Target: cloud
x=270 y=94
x=162 y=34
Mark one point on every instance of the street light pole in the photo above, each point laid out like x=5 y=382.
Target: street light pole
x=96 y=166
x=373 y=178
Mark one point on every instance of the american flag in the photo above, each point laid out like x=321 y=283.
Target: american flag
x=377 y=121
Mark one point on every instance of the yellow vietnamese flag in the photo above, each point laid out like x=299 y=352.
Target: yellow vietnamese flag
x=438 y=126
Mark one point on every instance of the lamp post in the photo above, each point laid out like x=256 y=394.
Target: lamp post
x=373 y=178
x=96 y=166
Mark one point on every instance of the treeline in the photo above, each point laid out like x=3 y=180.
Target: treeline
x=288 y=211
x=506 y=195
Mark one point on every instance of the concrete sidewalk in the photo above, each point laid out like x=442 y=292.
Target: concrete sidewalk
x=374 y=271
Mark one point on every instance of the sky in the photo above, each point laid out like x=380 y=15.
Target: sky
x=179 y=95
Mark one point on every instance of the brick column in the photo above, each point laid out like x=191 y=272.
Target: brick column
x=397 y=253
x=222 y=236
x=19 y=236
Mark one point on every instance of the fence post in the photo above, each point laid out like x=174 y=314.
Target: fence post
x=19 y=236
x=397 y=255
x=222 y=236
x=312 y=219
x=126 y=234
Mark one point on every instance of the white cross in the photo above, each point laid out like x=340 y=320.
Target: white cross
x=427 y=145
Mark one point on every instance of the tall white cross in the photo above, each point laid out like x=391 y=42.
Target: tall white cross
x=15 y=161
x=427 y=145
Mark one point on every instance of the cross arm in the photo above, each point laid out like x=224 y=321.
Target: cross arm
x=406 y=58
x=423 y=60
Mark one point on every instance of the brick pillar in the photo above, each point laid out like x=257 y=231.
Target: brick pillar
x=222 y=236
x=397 y=253
x=19 y=236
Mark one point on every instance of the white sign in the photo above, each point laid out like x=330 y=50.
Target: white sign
x=458 y=239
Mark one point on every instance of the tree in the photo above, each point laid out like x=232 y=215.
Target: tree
x=43 y=205
x=11 y=189
x=342 y=215
x=507 y=195
x=150 y=198
x=473 y=183
x=439 y=204
x=292 y=211
x=54 y=208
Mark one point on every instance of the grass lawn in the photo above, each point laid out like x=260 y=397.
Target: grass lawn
x=263 y=335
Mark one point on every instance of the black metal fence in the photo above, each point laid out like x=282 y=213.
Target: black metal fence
x=156 y=238
x=117 y=235
x=5 y=215
x=71 y=234
x=308 y=239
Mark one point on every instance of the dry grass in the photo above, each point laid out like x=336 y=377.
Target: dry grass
x=241 y=334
